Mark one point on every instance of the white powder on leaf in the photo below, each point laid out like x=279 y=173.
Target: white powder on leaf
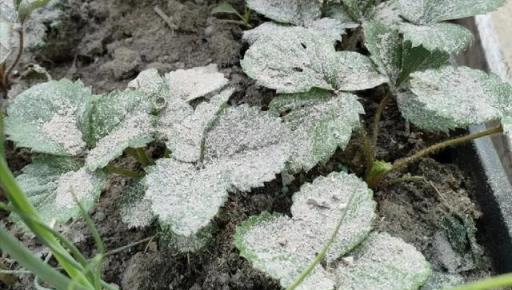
x=63 y=130
x=75 y=184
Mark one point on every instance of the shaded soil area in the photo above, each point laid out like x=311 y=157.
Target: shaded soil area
x=107 y=43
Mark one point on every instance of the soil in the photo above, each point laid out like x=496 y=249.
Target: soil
x=107 y=43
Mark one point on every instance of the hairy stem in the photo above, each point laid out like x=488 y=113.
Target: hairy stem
x=369 y=155
x=376 y=120
x=404 y=162
x=320 y=256
x=19 y=53
x=140 y=155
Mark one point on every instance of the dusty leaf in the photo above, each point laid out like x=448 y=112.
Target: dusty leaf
x=431 y=11
x=187 y=138
x=320 y=123
x=8 y=19
x=450 y=97
x=117 y=121
x=244 y=148
x=135 y=209
x=26 y=7
x=51 y=182
x=251 y=146
x=283 y=247
x=194 y=83
x=384 y=262
x=331 y=29
x=336 y=10
x=385 y=47
x=47 y=117
x=295 y=12
x=445 y=37
x=296 y=62
x=387 y=13
x=357 y=8
x=354 y=72
x=152 y=85
x=291 y=62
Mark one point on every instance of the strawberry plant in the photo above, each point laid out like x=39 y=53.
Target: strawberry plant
x=214 y=148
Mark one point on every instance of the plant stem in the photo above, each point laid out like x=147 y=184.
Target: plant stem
x=21 y=44
x=124 y=172
x=320 y=256
x=496 y=282
x=369 y=155
x=140 y=155
x=404 y=162
x=376 y=120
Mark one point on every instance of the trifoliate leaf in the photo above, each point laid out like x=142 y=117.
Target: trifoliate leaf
x=47 y=117
x=354 y=71
x=296 y=62
x=383 y=262
x=330 y=28
x=244 y=148
x=446 y=37
x=283 y=247
x=291 y=62
x=152 y=85
x=385 y=47
x=118 y=120
x=431 y=11
x=449 y=98
x=135 y=209
x=320 y=123
x=295 y=12
x=53 y=183
x=187 y=139
x=196 y=82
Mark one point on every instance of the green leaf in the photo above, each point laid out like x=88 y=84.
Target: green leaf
x=186 y=140
x=358 y=8
x=47 y=117
x=50 y=183
x=296 y=12
x=283 y=247
x=26 y=7
x=449 y=98
x=320 y=123
x=419 y=58
x=385 y=47
x=431 y=11
x=118 y=120
x=196 y=82
x=135 y=209
x=225 y=7
x=445 y=37
x=384 y=262
x=297 y=62
x=244 y=148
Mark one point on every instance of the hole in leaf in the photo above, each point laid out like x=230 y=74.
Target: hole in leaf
x=298 y=69
x=303 y=45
